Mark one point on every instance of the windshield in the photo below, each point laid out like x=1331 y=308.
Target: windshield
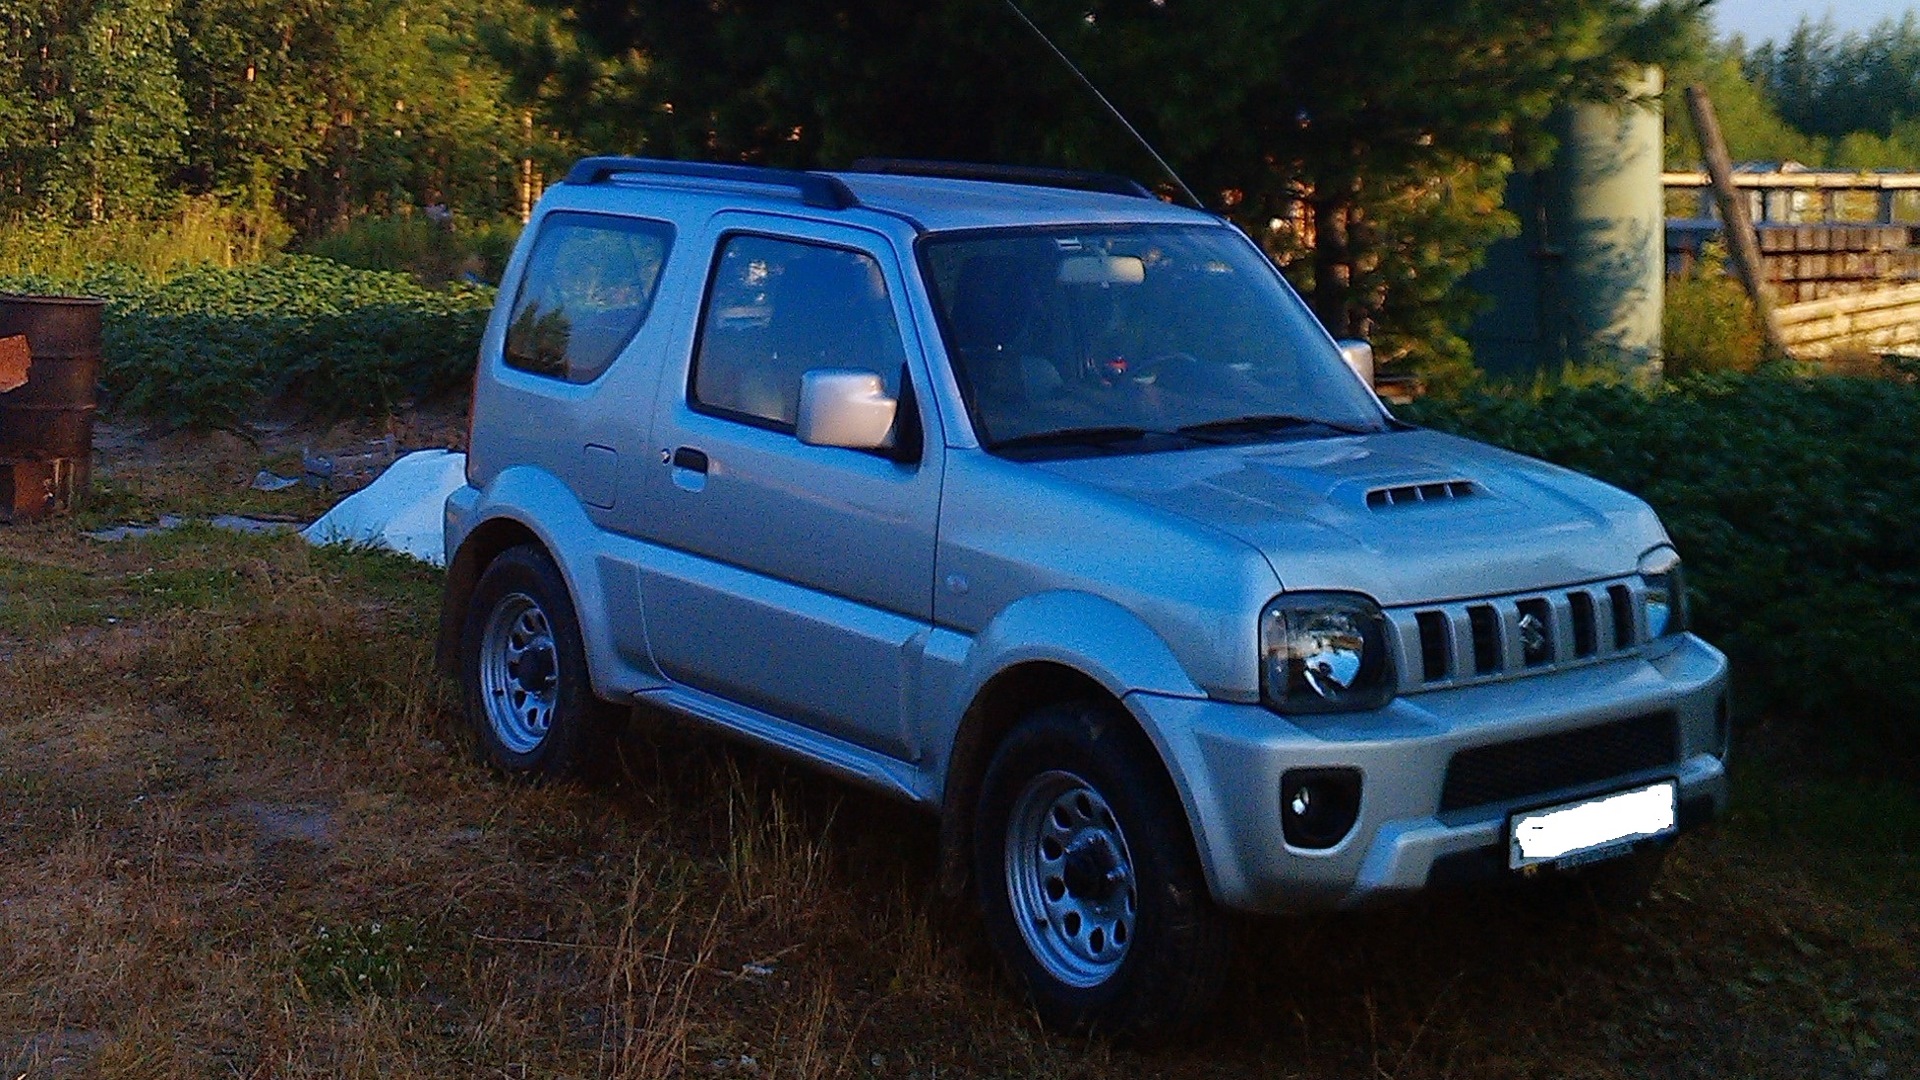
x=1124 y=340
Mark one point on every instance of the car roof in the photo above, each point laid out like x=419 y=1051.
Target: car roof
x=981 y=197
x=939 y=204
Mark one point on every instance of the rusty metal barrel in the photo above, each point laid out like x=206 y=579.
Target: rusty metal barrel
x=46 y=422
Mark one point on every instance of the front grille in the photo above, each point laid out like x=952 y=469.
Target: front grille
x=1436 y=647
x=1486 y=639
x=1527 y=767
x=1469 y=641
x=1585 y=641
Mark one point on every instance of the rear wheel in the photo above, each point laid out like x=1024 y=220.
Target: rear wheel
x=524 y=670
x=1087 y=876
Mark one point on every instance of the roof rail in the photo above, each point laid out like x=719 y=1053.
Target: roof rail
x=1036 y=176
x=815 y=189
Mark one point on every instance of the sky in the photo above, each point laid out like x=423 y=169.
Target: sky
x=1759 y=20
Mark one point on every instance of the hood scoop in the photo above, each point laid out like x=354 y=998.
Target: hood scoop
x=1382 y=498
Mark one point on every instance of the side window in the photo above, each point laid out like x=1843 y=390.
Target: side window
x=589 y=284
x=778 y=308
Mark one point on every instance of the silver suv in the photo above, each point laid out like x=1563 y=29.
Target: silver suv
x=1029 y=499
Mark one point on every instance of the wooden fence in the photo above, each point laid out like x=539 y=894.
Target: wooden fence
x=1884 y=320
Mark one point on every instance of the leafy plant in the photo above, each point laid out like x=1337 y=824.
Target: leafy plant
x=434 y=252
x=1796 y=503
x=1707 y=321
x=344 y=962
x=203 y=347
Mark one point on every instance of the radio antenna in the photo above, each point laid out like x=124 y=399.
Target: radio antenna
x=1117 y=115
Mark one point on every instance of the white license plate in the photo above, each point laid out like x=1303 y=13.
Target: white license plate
x=1592 y=828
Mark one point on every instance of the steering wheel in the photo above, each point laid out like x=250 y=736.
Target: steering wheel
x=1155 y=365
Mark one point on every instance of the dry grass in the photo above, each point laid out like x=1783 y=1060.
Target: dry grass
x=242 y=836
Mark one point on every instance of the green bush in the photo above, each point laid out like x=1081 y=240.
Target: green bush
x=205 y=346
x=1708 y=323
x=1796 y=503
x=431 y=252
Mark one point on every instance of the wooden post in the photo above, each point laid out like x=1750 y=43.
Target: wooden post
x=1733 y=215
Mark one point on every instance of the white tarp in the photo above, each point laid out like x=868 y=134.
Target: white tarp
x=401 y=511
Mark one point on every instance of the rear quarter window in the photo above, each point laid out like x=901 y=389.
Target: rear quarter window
x=588 y=287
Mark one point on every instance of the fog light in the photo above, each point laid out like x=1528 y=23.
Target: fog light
x=1319 y=806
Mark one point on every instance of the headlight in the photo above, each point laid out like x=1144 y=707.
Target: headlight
x=1665 y=596
x=1324 y=652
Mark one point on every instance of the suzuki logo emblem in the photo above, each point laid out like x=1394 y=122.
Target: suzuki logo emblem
x=1533 y=634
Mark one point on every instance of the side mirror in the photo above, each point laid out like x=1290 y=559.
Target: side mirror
x=844 y=407
x=1359 y=356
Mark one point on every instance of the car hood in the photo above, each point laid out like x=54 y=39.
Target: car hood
x=1363 y=513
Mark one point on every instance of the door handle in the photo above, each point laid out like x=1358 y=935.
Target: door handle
x=687 y=457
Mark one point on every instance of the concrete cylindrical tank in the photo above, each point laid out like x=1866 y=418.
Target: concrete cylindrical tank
x=46 y=422
x=1584 y=280
x=1606 y=219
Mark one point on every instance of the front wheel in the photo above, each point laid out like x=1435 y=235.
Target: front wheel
x=523 y=670
x=1087 y=877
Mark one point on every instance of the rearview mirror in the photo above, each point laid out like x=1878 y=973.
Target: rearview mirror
x=1359 y=356
x=845 y=407
x=1102 y=270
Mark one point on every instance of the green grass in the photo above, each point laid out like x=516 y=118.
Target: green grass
x=258 y=750
x=433 y=253
x=203 y=232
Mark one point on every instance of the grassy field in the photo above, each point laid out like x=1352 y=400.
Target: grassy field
x=242 y=835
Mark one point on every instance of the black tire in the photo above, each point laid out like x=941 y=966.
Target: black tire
x=1095 y=960
x=523 y=671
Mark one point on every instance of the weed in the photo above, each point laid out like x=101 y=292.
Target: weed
x=433 y=252
x=1708 y=324
x=339 y=963
x=203 y=232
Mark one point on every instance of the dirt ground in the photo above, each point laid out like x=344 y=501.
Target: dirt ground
x=242 y=834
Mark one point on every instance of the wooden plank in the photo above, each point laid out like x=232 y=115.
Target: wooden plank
x=1881 y=341
x=1867 y=301
x=1840 y=327
x=1843 y=181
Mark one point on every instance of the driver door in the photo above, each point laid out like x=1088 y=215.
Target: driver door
x=798 y=579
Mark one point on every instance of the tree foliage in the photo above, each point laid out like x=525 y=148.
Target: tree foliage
x=321 y=107
x=90 y=105
x=1366 y=145
x=1821 y=98
x=1749 y=121
x=1832 y=85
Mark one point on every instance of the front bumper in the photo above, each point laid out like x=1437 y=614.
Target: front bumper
x=1228 y=760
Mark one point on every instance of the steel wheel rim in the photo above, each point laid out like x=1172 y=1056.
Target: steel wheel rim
x=519 y=673
x=1070 y=879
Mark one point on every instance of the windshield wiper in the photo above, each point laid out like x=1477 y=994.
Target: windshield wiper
x=1264 y=423
x=1080 y=436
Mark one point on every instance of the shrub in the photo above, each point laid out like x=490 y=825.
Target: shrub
x=431 y=251
x=205 y=346
x=1796 y=503
x=1707 y=322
